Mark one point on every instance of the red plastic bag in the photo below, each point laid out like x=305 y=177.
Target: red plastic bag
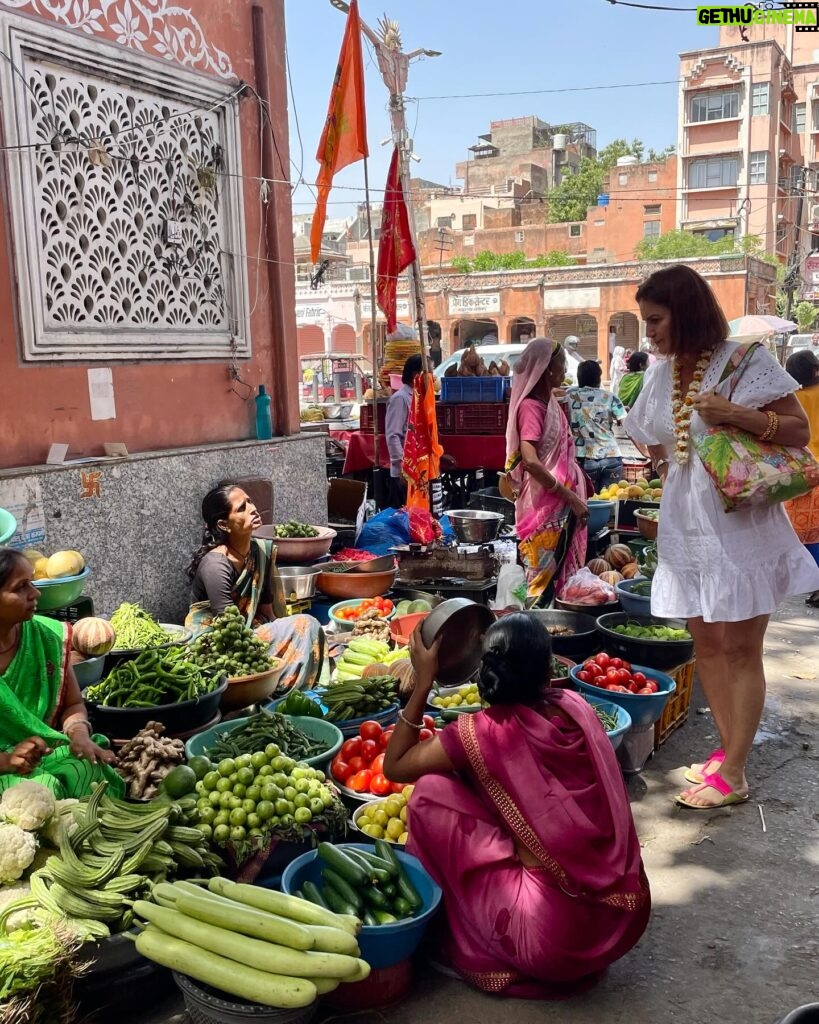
x=586 y=588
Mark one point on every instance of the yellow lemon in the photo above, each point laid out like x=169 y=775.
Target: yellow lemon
x=395 y=829
x=403 y=838
x=403 y=814
x=407 y=791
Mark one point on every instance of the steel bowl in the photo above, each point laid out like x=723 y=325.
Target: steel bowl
x=472 y=526
x=298 y=550
x=295 y=582
x=462 y=624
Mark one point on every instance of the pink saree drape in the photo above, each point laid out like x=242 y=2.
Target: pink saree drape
x=551 y=785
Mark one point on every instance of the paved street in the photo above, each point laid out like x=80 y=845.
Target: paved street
x=733 y=936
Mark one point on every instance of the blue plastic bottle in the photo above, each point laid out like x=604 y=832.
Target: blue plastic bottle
x=264 y=421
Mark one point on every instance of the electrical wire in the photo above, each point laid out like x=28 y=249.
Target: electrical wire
x=648 y=7
x=546 y=92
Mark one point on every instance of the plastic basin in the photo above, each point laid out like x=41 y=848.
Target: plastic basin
x=89 y=671
x=599 y=514
x=316 y=728
x=661 y=654
x=123 y=723
x=623 y=718
x=387 y=717
x=402 y=627
x=386 y=944
x=634 y=604
x=59 y=593
x=8 y=525
x=346 y=625
x=644 y=709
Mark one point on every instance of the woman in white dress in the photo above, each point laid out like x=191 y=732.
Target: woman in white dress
x=724 y=572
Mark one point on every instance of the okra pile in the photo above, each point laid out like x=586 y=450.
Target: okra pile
x=371 y=885
x=360 y=697
x=151 y=679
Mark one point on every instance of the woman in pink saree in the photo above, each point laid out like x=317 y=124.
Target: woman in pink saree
x=542 y=469
x=520 y=814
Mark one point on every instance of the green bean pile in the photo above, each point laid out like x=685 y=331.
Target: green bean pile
x=136 y=629
x=261 y=729
x=153 y=678
x=607 y=719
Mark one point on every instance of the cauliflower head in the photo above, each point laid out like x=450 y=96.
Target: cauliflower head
x=17 y=851
x=61 y=823
x=27 y=804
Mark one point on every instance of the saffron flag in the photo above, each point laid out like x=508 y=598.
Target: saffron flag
x=422 y=451
x=344 y=139
x=395 y=248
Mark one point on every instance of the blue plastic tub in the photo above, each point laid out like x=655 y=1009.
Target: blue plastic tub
x=316 y=728
x=599 y=514
x=385 y=718
x=644 y=709
x=381 y=945
x=633 y=604
x=8 y=525
x=623 y=718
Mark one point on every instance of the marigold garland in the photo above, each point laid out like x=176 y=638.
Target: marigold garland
x=682 y=408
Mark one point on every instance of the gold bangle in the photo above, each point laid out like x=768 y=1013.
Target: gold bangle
x=773 y=426
x=403 y=718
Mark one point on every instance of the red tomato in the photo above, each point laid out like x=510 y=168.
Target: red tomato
x=645 y=690
x=618 y=689
x=429 y=722
x=624 y=676
x=380 y=784
x=370 y=731
x=370 y=750
x=594 y=670
x=613 y=675
x=340 y=769
x=616 y=662
x=385 y=738
x=351 y=748
x=360 y=782
x=602 y=659
x=425 y=734
x=652 y=686
x=633 y=687
x=398 y=787
x=356 y=764
x=378 y=764
x=639 y=677
x=584 y=677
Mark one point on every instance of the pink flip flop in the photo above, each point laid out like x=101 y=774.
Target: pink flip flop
x=717 y=782
x=697 y=778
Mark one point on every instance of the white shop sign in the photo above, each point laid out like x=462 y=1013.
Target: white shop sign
x=310 y=314
x=402 y=309
x=486 y=302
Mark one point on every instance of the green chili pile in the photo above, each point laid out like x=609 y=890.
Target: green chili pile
x=153 y=678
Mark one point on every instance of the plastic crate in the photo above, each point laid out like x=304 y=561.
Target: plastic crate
x=637 y=470
x=481 y=418
x=445 y=415
x=366 y=416
x=472 y=389
x=677 y=707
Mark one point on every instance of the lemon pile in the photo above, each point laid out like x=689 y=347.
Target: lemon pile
x=387 y=819
x=465 y=696
x=643 y=490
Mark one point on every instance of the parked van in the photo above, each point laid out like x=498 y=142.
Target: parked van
x=511 y=353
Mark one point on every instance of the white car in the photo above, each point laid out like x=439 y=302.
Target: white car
x=511 y=353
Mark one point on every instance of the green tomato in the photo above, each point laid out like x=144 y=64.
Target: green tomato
x=280 y=779
x=313 y=787
x=243 y=761
x=302 y=800
x=225 y=799
x=282 y=807
x=215 y=798
x=290 y=793
x=253 y=821
x=255 y=833
x=234 y=802
x=265 y=810
x=299 y=772
x=246 y=775
x=222 y=818
x=272 y=750
x=270 y=792
x=226 y=767
x=210 y=780
x=287 y=820
x=327 y=797
x=248 y=806
x=223 y=785
x=221 y=833
x=254 y=793
x=238 y=816
x=237 y=834
x=289 y=765
x=316 y=805
x=205 y=829
x=278 y=762
x=265 y=770
x=301 y=786
x=206 y=815
x=239 y=790
x=199 y=787
x=302 y=815
x=258 y=760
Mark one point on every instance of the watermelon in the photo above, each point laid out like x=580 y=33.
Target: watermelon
x=93 y=637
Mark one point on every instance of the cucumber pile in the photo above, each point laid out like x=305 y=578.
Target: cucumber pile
x=372 y=886
x=249 y=942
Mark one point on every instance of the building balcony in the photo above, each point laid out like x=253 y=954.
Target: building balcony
x=711 y=188
x=716 y=120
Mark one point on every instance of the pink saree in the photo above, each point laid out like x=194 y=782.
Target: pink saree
x=553 y=786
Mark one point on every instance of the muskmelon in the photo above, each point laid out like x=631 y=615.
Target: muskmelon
x=618 y=555
x=612 y=578
x=34 y=556
x=64 y=563
x=630 y=570
x=93 y=637
x=41 y=569
x=598 y=566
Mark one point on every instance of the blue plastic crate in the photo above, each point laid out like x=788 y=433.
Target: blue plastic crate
x=473 y=389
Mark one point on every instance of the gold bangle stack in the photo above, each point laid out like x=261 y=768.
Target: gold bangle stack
x=772 y=428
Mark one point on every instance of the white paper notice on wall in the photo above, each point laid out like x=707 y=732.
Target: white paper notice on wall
x=101 y=394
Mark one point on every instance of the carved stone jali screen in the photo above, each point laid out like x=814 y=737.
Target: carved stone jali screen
x=126 y=202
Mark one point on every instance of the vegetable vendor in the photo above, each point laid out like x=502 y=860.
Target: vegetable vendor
x=45 y=734
x=232 y=567
x=521 y=815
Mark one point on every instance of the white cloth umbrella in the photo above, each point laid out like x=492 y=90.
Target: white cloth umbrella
x=759 y=326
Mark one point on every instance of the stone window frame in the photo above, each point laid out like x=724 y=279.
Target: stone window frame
x=23 y=39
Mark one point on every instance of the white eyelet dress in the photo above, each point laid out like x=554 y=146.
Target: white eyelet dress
x=722 y=566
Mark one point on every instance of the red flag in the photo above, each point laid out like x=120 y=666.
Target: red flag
x=395 y=248
x=344 y=139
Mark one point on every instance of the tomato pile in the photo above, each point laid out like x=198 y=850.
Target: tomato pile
x=616 y=675
x=382 y=605
x=359 y=764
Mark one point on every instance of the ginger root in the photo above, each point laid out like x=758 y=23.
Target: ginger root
x=145 y=760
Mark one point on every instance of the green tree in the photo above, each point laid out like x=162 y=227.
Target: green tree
x=555 y=258
x=657 y=157
x=676 y=245
x=805 y=316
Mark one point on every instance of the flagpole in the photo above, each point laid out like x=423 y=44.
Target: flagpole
x=373 y=332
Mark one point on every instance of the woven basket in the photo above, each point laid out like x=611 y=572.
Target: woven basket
x=207 y=1006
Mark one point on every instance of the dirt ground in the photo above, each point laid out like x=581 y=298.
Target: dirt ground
x=733 y=935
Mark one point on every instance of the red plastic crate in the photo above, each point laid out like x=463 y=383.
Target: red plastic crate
x=481 y=418
x=445 y=415
x=366 y=416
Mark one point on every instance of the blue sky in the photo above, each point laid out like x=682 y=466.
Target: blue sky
x=488 y=47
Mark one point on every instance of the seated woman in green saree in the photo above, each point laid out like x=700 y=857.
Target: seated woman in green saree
x=45 y=735
x=232 y=567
